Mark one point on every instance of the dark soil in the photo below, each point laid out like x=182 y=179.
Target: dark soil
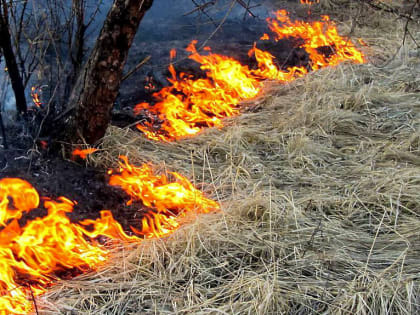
x=53 y=177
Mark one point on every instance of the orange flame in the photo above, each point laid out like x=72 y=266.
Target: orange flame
x=316 y=37
x=309 y=2
x=33 y=256
x=171 y=200
x=265 y=37
x=189 y=105
x=83 y=153
x=172 y=54
x=268 y=70
x=36 y=97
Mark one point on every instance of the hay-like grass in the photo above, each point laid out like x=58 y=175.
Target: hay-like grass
x=320 y=190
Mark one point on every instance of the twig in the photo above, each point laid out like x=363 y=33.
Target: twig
x=139 y=65
x=41 y=125
x=406 y=30
x=33 y=299
x=315 y=232
x=246 y=7
x=219 y=26
x=311 y=240
x=201 y=7
x=388 y=9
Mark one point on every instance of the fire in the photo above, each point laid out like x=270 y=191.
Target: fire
x=44 y=144
x=172 y=54
x=33 y=255
x=170 y=199
x=268 y=70
x=320 y=40
x=189 y=105
x=83 y=153
x=309 y=2
x=35 y=94
x=149 y=84
x=265 y=37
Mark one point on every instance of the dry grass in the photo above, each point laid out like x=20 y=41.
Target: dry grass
x=321 y=207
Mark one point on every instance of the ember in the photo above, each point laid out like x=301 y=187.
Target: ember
x=83 y=153
x=309 y=2
x=35 y=94
x=172 y=54
x=189 y=104
x=33 y=255
x=44 y=144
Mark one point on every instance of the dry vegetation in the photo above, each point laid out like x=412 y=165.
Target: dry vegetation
x=319 y=186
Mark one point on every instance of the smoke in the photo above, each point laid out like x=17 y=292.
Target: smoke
x=7 y=98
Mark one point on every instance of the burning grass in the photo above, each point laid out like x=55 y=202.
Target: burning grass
x=319 y=191
x=34 y=254
x=189 y=105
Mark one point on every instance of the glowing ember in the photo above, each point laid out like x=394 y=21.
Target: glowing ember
x=44 y=144
x=172 y=54
x=83 y=153
x=35 y=95
x=149 y=84
x=265 y=37
x=33 y=256
x=189 y=105
x=309 y=2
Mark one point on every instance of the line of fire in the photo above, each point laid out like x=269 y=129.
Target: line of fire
x=41 y=244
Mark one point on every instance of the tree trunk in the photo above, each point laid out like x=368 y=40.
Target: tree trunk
x=10 y=58
x=97 y=86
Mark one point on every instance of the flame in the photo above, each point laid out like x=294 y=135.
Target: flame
x=83 y=153
x=265 y=37
x=267 y=69
x=189 y=105
x=32 y=256
x=149 y=84
x=172 y=54
x=35 y=94
x=316 y=37
x=171 y=200
x=309 y=2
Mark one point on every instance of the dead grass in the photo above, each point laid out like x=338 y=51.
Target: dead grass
x=320 y=193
